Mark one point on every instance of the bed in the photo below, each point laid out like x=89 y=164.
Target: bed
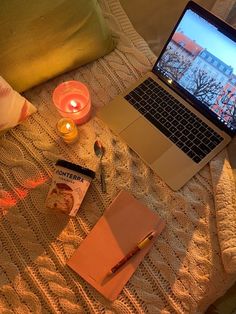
x=192 y=263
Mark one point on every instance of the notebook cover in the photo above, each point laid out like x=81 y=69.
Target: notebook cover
x=124 y=223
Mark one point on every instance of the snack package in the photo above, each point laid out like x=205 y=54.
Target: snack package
x=70 y=183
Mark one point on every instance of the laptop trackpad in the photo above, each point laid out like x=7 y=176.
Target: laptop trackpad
x=147 y=141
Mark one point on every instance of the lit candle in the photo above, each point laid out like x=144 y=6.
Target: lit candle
x=67 y=130
x=72 y=100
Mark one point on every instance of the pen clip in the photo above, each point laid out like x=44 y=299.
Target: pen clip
x=148 y=235
x=146 y=239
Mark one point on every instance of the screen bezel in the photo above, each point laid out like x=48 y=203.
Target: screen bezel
x=226 y=29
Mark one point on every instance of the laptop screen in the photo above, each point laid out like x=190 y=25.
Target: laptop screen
x=200 y=60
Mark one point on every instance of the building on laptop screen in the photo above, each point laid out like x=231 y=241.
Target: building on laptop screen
x=202 y=60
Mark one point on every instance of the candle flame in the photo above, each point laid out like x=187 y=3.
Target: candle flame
x=73 y=103
x=68 y=126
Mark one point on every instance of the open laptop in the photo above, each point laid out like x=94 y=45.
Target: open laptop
x=182 y=113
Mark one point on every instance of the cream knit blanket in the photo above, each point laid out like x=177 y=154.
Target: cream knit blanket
x=193 y=261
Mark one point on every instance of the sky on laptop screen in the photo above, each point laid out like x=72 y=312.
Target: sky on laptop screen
x=202 y=60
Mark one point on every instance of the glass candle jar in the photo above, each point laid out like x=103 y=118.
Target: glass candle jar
x=67 y=130
x=72 y=100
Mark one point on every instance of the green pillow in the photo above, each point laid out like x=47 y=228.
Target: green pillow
x=42 y=39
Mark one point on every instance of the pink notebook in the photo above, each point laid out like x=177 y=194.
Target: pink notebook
x=125 y=222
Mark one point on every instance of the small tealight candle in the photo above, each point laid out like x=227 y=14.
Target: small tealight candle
x=72 y=100
x=67 y=130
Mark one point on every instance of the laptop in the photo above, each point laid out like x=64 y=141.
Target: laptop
x=183 y=112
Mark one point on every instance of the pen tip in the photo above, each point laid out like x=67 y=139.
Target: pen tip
x=110 y=273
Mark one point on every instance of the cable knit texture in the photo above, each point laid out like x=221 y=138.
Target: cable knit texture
x=192 y=262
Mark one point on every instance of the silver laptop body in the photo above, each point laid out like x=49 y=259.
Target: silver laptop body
x=182 y=113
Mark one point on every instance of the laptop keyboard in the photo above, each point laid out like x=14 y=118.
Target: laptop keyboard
x=194 y=137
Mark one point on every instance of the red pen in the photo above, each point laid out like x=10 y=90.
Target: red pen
x=139 y=246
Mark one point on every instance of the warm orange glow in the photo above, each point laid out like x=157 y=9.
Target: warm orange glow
x=9 y=199
x=33 y=183
x=6 y=200
x=21 y=193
